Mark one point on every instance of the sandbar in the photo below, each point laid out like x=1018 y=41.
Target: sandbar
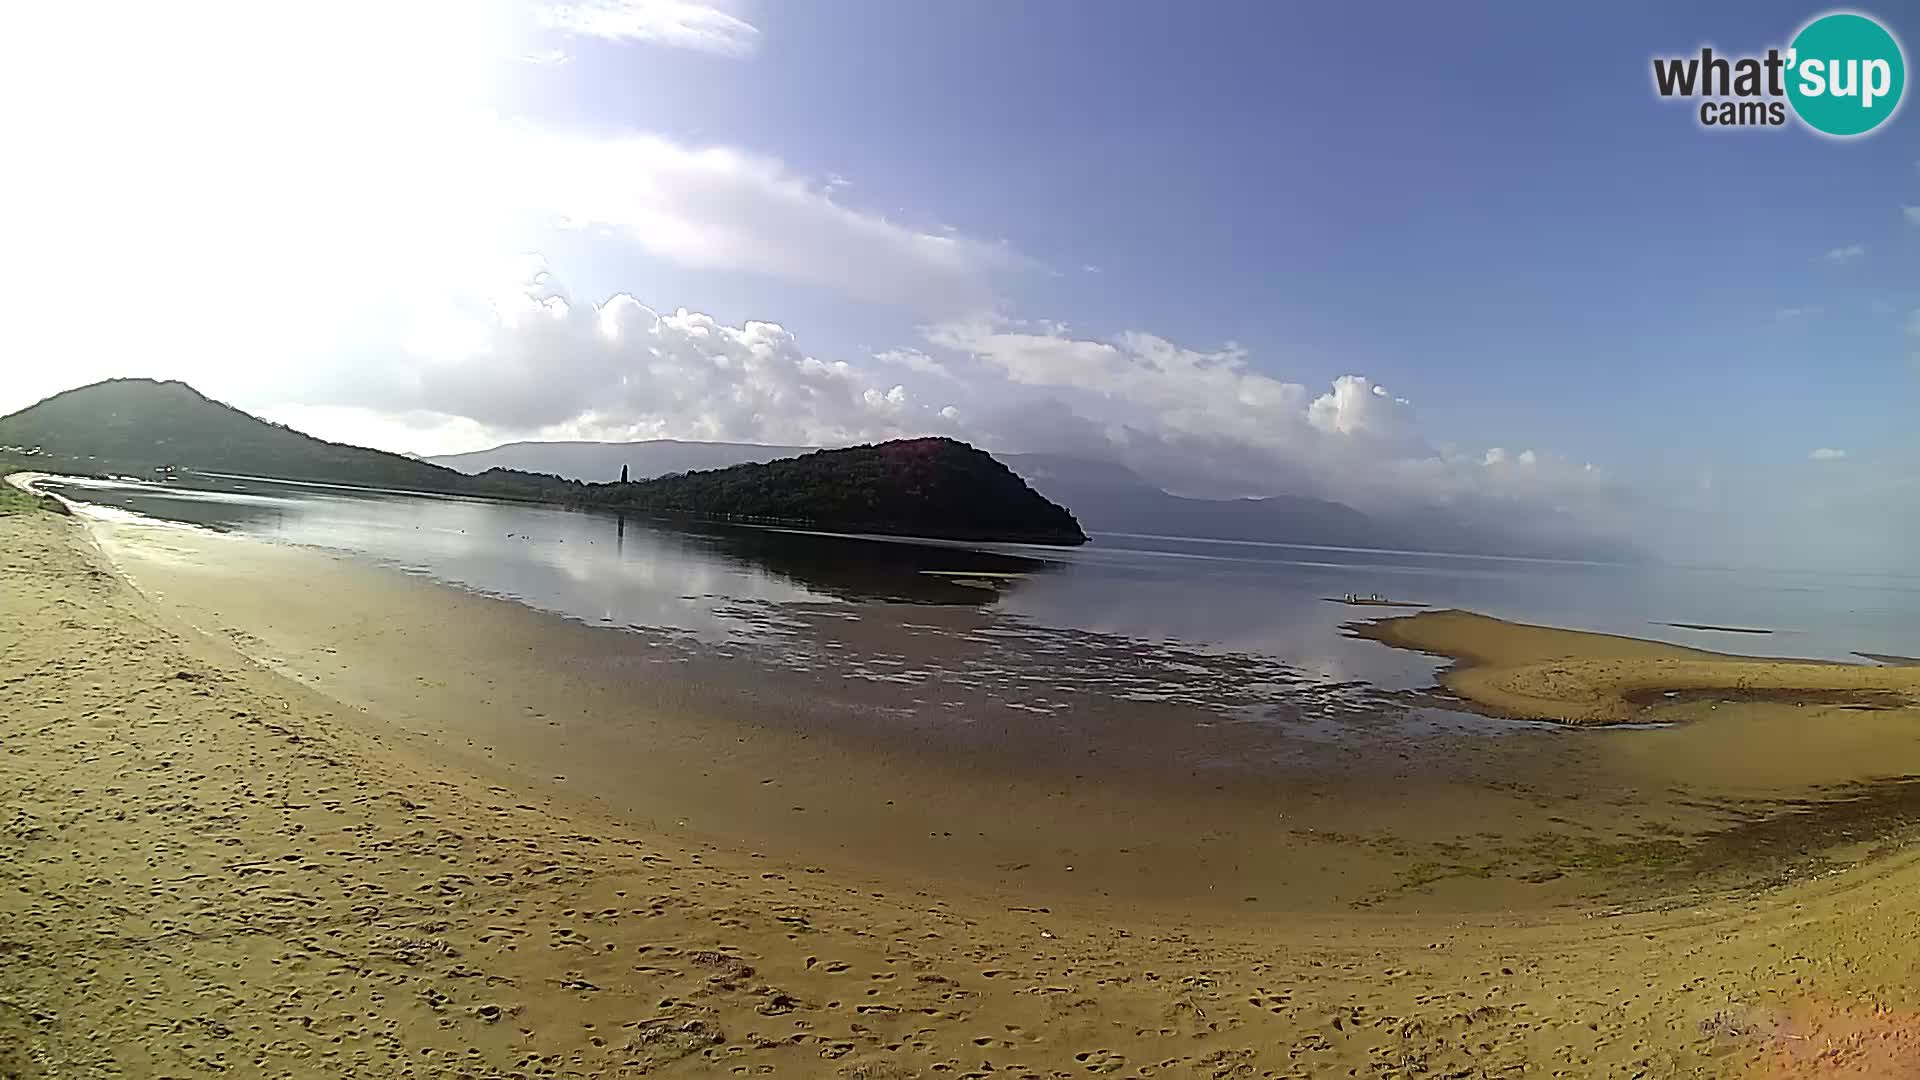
x=1576 y=677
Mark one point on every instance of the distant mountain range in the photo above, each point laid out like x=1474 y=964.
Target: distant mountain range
x=1108 y=497
x=1104 y=496
x=915 y=487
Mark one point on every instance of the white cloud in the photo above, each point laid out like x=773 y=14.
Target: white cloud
x=1206 y=423
x=405 y=169
x=1791 y=313
x=418 y=431
x=1913 y=323
x=1911 y=213
x=1354 y=405
x=1827 y=453
x=1844 y=254
x=676 y=23
x=915 y=360
x=717 y=208
x=1184 y=391
x=531 y=362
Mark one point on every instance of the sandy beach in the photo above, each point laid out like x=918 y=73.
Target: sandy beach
x=1537 y=673
x=258 y=828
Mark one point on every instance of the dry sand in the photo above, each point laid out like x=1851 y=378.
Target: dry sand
x=1539 y=673
x=211 y=868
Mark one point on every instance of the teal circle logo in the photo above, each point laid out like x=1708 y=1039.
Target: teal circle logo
x=1845 y=74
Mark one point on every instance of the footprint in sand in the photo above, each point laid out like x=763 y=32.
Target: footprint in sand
x=1270 y=1001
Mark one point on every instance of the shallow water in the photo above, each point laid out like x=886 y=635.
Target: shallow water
x=1099 y=712
x=1202 y=598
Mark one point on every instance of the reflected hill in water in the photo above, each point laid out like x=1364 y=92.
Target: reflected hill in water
x=851 y=568
x=722 y=582
x=860 y=568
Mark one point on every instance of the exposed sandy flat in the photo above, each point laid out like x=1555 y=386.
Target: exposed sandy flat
x=212 y=869
x=1540 y=673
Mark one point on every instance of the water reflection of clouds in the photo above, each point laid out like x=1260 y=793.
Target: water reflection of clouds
x=584 y=566
x=1182 y=614
x=1247 y=616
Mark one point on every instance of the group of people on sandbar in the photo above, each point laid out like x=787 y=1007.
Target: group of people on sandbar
x=1370 y=598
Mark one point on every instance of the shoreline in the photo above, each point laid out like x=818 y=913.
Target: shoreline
x=221 y=868
x=1579 y=678
x=728 y=751
x=1142 y=810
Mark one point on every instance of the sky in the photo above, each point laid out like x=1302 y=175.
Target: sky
x=1383 y=253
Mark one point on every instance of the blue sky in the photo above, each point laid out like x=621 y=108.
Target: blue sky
x=1484 y=208
x=1371 y=251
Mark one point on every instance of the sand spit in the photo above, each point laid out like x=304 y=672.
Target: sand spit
x=212 y=870
x=1540 y=673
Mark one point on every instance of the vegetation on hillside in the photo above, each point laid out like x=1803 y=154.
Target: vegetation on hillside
x=916 y=487
x=139 y=426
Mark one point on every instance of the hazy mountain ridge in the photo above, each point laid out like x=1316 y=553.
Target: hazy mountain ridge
x=596 y=462
x=1106 y=496
x=1110 y=497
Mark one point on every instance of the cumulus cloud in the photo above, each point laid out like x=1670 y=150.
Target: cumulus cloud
x=533 y=361
x=1184 y=391
x=1827 y=453
x=1355 y=406
x=1844 y=254
x=676 y=23
x=349 y=198
x=1206 y=422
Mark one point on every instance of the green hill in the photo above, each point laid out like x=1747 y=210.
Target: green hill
x=930 y=487
x=915 y=487
x=139 y=425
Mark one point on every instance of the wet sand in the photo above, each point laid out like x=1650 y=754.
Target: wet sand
x=1155 y=805
x=1567 y=676
x=1089 y=804
x=221 y=867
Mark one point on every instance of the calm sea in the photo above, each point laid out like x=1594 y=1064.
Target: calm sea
x=1193 y=604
